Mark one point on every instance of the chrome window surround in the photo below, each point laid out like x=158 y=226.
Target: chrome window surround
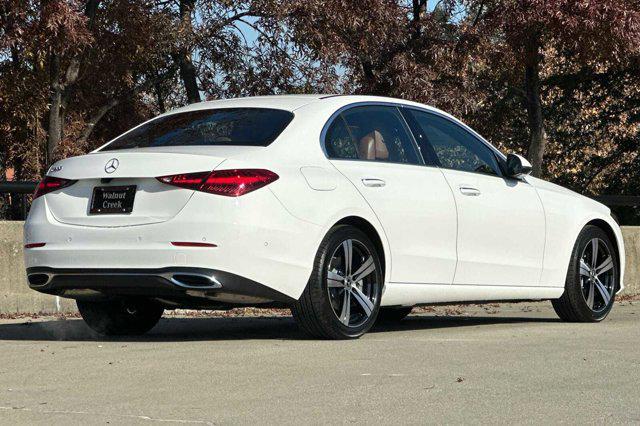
x=468 y=129
x=407 y=128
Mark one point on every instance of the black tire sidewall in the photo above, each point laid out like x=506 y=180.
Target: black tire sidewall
x=110 y=317
x=574 y=286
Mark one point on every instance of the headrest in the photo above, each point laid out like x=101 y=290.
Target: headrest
x=372 y=147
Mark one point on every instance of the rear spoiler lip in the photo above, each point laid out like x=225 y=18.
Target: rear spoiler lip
x=93 y=166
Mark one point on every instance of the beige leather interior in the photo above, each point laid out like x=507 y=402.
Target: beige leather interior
x=372 y=147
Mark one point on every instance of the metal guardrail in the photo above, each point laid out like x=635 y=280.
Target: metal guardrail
x=625 y=209
x=618 y=200
x=21 y=188
x=17 y=187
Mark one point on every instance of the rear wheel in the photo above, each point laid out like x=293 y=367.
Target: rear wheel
x=120 y=317
x=342 y=297
x=396 y=314
x=592 y=279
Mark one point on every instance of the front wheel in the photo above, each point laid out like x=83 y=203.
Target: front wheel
x=592 y=279
x=342 y=297
x=120 y=317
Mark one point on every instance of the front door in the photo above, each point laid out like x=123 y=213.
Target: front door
x=501 y=222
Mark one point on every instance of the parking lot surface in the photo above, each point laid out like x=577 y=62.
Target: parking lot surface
x=477 y=364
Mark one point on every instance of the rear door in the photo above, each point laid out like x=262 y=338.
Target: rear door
x=501 y=222
x=372 y=146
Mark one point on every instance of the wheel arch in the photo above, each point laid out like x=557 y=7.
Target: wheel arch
x=370 y=230
x=617 y=245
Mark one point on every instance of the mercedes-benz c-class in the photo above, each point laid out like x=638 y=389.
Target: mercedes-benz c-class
x=347 y=209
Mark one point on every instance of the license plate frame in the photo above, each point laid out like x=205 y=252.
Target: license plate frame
x=121 y=199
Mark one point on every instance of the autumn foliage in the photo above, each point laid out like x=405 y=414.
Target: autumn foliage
x=556 y=80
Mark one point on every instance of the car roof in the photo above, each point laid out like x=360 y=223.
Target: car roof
x=285 y=102
x=294 y=102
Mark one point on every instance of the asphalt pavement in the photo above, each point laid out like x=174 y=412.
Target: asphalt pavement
x=509 y=363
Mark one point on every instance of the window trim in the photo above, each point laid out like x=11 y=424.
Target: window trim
x=338 y=114
x=431 y=157
x=500 y=156
x=340 y=117
x=496 y=153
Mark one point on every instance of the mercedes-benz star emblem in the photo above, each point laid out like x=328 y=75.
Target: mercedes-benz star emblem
x=112 y=165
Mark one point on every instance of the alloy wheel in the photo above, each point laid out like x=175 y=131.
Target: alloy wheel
x=352 y=283
x=597 y=275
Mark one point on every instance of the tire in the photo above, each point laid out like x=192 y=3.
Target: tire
x=391 y=315
x=120 y=317
x=589 y=296
x=322 y=304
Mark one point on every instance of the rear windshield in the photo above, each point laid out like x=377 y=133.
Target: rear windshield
x=212 y=127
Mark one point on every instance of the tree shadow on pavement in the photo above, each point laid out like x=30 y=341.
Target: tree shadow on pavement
x=239 y=328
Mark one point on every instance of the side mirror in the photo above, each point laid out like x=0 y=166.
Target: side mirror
x=517 y=166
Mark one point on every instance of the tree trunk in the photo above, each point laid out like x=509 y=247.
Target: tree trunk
x=61 y=90
x=537 y=135
x=417 y=6
x=188 y=73
x=54 y=124
x=3 y=197
x=160 y=97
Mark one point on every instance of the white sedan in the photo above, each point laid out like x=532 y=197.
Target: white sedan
x=347 y=209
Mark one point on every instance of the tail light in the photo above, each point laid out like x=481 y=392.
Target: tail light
x=34 y=245
x=230 y=183
x=191 y=244
x=50 y=183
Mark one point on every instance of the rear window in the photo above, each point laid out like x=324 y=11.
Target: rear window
x=212 y=127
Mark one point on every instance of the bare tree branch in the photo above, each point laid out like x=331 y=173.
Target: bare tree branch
x=91 y=123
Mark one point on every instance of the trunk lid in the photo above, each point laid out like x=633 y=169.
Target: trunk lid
x=145 y=162
x=154 y=201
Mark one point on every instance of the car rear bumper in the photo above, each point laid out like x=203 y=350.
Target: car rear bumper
x=182 y=286
x=252 y=237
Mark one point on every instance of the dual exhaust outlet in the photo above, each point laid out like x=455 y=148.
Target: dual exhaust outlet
x=188 y=280
x=191 y=280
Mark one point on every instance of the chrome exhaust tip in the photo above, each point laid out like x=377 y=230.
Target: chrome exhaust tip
x=195 y=281
x=39 y=279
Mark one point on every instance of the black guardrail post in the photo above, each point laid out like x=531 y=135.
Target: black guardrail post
x=24 y=189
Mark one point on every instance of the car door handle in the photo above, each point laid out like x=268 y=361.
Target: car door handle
x=469 y=190
x=373 y=182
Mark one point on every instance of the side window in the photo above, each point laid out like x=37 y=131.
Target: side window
x=454 y=147
x=371 y=133
x=338 y=141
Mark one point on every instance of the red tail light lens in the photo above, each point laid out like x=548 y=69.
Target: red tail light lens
x=230 y=183
x=50 y=183
x=190 y=244
x=34 y=245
